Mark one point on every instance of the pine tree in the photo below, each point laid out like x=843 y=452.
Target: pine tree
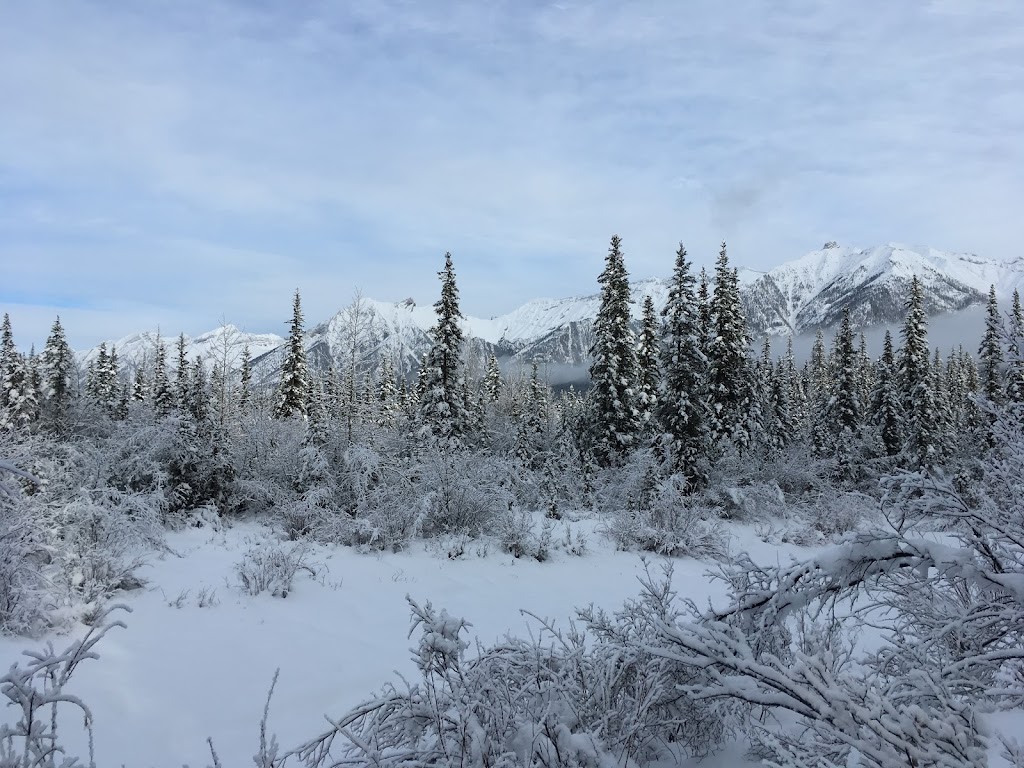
x=245 y=382
x=648 y=375
x=704 y=324
x=917 y=393
x=181 y=378
x=8 y=358
x=18 y=401
x=293 y=394
x=797 y=392
x=388 y=401
x=492 y=380
x=1015 y=372
x=57 y=366
x=844 y=414
x=442 y=408
x=727 y=357
x=682 y=404
x=990 y=353
x=198 y=397
x=613 y=372
x=163 y=397
x=139 y=390
x=886 y=404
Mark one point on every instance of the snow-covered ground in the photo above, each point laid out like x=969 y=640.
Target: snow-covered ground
x=178 y=675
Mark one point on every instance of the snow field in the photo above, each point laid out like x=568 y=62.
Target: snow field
x=178 y=675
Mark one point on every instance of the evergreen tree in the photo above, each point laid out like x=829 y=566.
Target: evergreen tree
x=198 y=397
x=682 y=404
x=844 y=414
x=886 y=403
x=1015 y=372
x=916 y=390
x=442 y=408
x=181 y=378
x=57 y=366
x=613 y=372
x=797 y=393
x=293 y=393
x=8 y=359
x=163 y=397
x=727 y=357
x=648 y=375
x=139 y=390
x=18 y=400
x=704 y=324
x=990 y=353
x=245 y=382
x=492 y=380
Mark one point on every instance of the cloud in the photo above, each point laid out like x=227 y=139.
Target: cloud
x=200 y=159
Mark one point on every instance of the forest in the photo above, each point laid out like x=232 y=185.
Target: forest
x=900 y=476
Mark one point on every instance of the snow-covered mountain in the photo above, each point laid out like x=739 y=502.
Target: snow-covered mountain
x=227 y=340
x=811 y=292
x=797 y=297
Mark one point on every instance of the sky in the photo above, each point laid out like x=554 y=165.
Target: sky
x=183 y=163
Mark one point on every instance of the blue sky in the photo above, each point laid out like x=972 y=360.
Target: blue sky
x=180 y=162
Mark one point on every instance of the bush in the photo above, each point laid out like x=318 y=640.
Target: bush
x=578 y=700
x=270 y=567
x=464 y=492
x=674 y=523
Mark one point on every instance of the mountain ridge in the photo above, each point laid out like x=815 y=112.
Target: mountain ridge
x=796 y=297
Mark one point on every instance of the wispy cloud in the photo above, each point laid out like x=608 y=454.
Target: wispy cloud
x=179 y=162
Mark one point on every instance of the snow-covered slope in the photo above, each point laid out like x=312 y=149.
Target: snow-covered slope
x=138 y=348
x=797 y=297
x=811 y=292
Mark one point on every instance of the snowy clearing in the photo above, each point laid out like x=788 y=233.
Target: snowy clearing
x=178 y=675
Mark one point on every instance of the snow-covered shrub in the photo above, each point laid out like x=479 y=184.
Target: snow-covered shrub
x=837 y=513
x=673 y=523
x=102 y=536
x=465 y=492
x=579 y=700
x=756 y=501
x=37 y=691
x=308 y=515
x=272 y=567
x=515 y=533
x=23 y=553
x=630 y=487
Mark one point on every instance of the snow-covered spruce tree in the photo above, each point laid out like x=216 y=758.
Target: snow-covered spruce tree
x=682 y=402
x=704 y=321
x=613 y=372
x=181 y=373
x=8 y=354
x=990 y=353
x=293 y=392
x=728 y=377
x=57 y=368
x=886 y=404
x=245 y=379
x=648 y=373
x=162 y=394
x=915 y=382
x=140 y=390
x=1015 y=368
x=492 y=380
x=843 y=411
x=442 y=407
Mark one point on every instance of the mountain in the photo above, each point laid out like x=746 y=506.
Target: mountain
x=811 y=292
x=797 y=297
x=227 y=340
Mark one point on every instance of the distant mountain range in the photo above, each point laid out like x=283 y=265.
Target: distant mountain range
x=797 y=297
